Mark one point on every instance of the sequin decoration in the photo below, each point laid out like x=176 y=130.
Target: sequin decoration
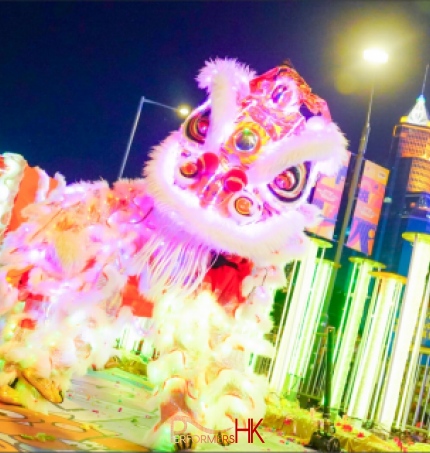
x=245 y=140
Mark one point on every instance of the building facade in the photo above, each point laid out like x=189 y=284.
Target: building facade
x=407 y=201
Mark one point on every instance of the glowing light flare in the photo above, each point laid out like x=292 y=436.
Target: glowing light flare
x=106 y=248
x=375 y=55
x=346 y=83
x=316 y=123
x=183 y=111
x=36 y=255
x=247 y=385
x=225 y=349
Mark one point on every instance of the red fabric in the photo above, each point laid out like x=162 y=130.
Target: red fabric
x=139 y=305
x=26 y=195
x=32 y=301
x=225 y=281
x=19 y=279
x=14 y=276
x=28 y=323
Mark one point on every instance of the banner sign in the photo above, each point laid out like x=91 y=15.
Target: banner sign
x=368 y=208
x=327 y=195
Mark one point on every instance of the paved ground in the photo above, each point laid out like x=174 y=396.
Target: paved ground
x=103 y=411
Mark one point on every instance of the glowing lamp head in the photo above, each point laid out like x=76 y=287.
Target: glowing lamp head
x=375 y=56
x=183 y=111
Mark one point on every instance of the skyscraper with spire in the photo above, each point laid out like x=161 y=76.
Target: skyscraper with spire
x=407 y=201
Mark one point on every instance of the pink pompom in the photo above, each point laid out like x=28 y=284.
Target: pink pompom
x=208 y=163
x=235 y=180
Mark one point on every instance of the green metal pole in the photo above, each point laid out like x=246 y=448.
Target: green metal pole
x=329 y=372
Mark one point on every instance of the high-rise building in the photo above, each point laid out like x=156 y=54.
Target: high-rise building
x=407 y=200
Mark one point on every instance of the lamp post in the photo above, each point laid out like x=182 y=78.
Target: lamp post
x=182 y=111
x=373 y=56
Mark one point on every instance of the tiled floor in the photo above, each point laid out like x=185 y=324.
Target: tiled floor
x=103 y=411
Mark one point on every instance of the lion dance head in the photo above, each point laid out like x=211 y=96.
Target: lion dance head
x=239 y=172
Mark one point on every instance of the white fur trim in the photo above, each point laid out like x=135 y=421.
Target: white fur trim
x=280 y=235
x=43 y=186
x=10 y=180
x=227 y=81
x=57 y=193
x=312 y=213
x=237 y=72
x=327 y=144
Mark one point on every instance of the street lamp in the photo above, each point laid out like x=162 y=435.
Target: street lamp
x=182 y=111
x=374 y=56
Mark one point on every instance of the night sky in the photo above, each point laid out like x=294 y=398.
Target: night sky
x=72 y=73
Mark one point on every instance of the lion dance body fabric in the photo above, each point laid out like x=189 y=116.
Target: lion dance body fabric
x=204 y=236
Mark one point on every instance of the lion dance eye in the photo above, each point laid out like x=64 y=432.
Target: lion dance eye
x=289 y=185
x=197 y=126
x=278 y=93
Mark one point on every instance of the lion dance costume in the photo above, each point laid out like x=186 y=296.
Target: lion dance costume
x=204 y=236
